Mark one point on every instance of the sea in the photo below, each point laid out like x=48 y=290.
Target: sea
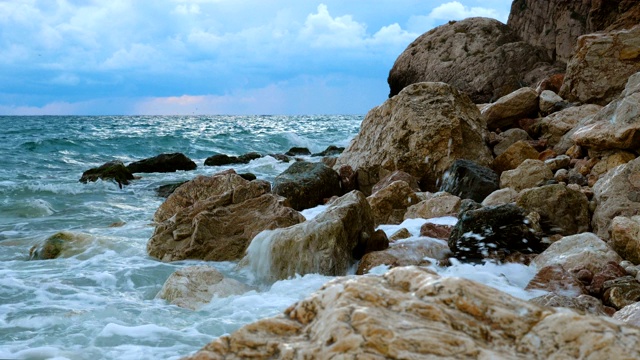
x=99 y=301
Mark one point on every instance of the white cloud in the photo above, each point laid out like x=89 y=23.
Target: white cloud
x=453 y=10
x=323 y=30
x=138 y=55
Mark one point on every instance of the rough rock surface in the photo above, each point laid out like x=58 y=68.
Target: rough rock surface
x=583 y=304
x=413 y=251
x=625 y=237
x=601 y=66
x=112 y=170
x=584 y=250
x=436 y=231
x=509 y=138
x=194 y=286
x=163 y=163
x=556 y=279
x=507 y=110
x=327 y=244
x=422 y=131
x=527 y=175
x=548 y=101
x=307 y=185
x=395 y=176
x=621 y=292
x=629 y=314
x=440 y=204
x=468 y=180
x=553 y=127
x=514 y=156
x=390 y=203
x=480 y=56
x=499 y=197
x=413 y=313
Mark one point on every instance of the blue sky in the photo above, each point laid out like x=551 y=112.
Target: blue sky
x=152 y=57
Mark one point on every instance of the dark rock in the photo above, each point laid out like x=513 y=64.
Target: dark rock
x=307 y=184
x=59 y=244
x=163 y=163
x=556 y=279
x=435 y=231
x=248 y=176
x=377 y=242
x=348 y=178
x=621 y=292
x=295 y=151
x=395 y=176
x=280 y=157
x=331 y=150
x=468 y=180
x=246 y=158
x=222 y=159
x=113 y=170
x=611 y=271
x=168 y=189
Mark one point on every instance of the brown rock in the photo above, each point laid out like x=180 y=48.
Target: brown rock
x=348 y=178
x=514 y=156
x=399 y=235
x=584 y=250
x=621 y=292
x=306 y=184
x=390 y=203
x=509 y=138
x=553 y=127
x=625 y=237
x=527 y=175
x=395 y=176
x=551 y=83
x=575 y=152
x=556 y=279
x=504 y=113
x=610 y=271
x=611 y=161
x=415 y=251
x=584 y=304
x=440 y=204
x=435 y=230
x=499 y=197
x=548 y=101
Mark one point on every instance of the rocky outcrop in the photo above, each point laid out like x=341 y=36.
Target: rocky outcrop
x=414 y=313
x=194 y=286
x=506 y=111
x=468 y=180
x=163 y=163
x=482 y=57
x=307 y=185
x=584 y=250
x=327 y=244
x=390 y=203
x=112 y=170
x=415 y=251
x=422 y=131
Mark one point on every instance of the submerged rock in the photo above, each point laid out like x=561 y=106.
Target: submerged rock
x=296 y=151
x=163 y=163
x=307 y=184
x=61 y=244
x=331 y=150
x=112 y=170
x=222 y=159
x=415 y=251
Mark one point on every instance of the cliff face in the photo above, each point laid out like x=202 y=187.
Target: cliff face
x=556 y=24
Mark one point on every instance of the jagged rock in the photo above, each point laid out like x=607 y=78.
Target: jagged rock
x=440 y=204
x=558 y=128
x=414 y=251
x=307 y=184
x=547 y=103
x=222 y=159
x=390 y=203
x=422 y=131
x=163 y=163
x=493 y=232
x=616 y=194
x=527 y=175
x=61 y=244
x=468 y=180
x=480 y=56
x=296 y=151
x=583 y=304
x=411 y=312
x=168 y=189
x=603 y=62
x=509 y=138
x=507 y=110
x=625 y=237
x=331 y=150
x=436 y=231
x=112 y=170
x=499 y=197
x=629 y=314
x=514 y=156
x=325 y=244
x=562 y=210
x=394 y=176
x=621 y=292
x=219 y=228
x=584 y=250
x=193 y=287
x=555 y=279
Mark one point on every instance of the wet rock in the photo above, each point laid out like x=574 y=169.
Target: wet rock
x=331 y=150
x=506 y=111
x=468 y=180
x=348 y=179
x=514 y=156
x=389 y=204
x=436 y=231
x=509 y=138
x=112 y=170
x=414 y=251
x=399 y=235
x=584 y=250
x=280 y=157
x=439 y=204
x=168 y=189
x=610 y=271
x=547 y=101
x=163 y=163
x=307 y=184
x=621 y=292
x=297 y=151
x=555 y=279
x=222 y=159
x=500 y=197
x=395 y=176
x=61 y=244
x=584 y=304
x=629 y=314
x=248 y=176
x=625 y=237
x=529 y=174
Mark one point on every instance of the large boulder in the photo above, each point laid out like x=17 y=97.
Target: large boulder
x=307 y=184
x=601 y=66
x=553 y=127
x=219 y=228
x=327 y=244
x=469 y=180
x=527 y=175
x=625 y=237
x=584 y=250
x=390 y=203
x=412 y=313
x=436 y=205
x=482 y=57
x=112 y=170
x=163 y=163
x=422 y=131
x=506 y=111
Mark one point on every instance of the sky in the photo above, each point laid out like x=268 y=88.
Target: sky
x=217 y=57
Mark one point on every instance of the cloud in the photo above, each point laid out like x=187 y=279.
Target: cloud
x=453 y=10
x=323 y=30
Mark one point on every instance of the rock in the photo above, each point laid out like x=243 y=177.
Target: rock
x=625 y=238
x=163 y=163
x=616 y=194
x=514 y=156
x=562 y=210
x=505 y=112
x=547 y=102
x=248 y=176
x=558 y=128
x=307 y=184
x=219 y=228
x=558 y=162
x=280 y=157
x=603 y=62
x=193 y=287
x=509 y=138
x=621 y=292
x=629 y=314
x=414 y=251
x=399 y=235
x=527 y=175
x=617 y=125
x=583 y=304
x=555 y=279
x=61 y=244
x=610 y=271
x=390 y=203
x=395 y=176
x=611 y=161
x=436 y=231
x=331 y=150
x=413 y=313
x=296 y=151
x=561 y=176
x=468 y=180
x=438 y=205
x=348 y=178
x=422 y=131
x=584 y=250
x=165 y=190
x=482 y=57
x=500 y=197
x=222 y=159
x=493 y=232
x=112 y=170
x=327 y=244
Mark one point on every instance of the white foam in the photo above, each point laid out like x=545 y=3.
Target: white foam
x=313 y=212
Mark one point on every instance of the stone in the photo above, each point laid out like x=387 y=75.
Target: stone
x=61 y=244
x=583 y=304
x=617 y=193
x=558 y=162
x=610 y=161
x=621 y=292
x=603 y=63
x=394 y=176
x=555 y=279
x=610 y=271
x=412 y=313
x=331 y=150
x=529 y=174
x=504 y=113
x=328 y=244
x=390 y=203
x=480 y=56
x=629 y=314
x=438 y=205
x=493 y=232
x=163 y=163
x=562 y=210
x=348 y=178
x=407 y=252
x=421 y=131
x=469 y=180
x=625 y=237
x=165 y=190
x=112 y=170
x=281 y=157
x=307 y=185
x=514 y=156
x=296 y=151
x=509 y=138
x=222 y=159
x=399 y=235
x=193 y=287
x=500 y=197
x=584 y=250
x=561 y=176
x=435 y=231
x=547 y=102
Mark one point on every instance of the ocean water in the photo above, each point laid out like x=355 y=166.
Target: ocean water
x=98 y=303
